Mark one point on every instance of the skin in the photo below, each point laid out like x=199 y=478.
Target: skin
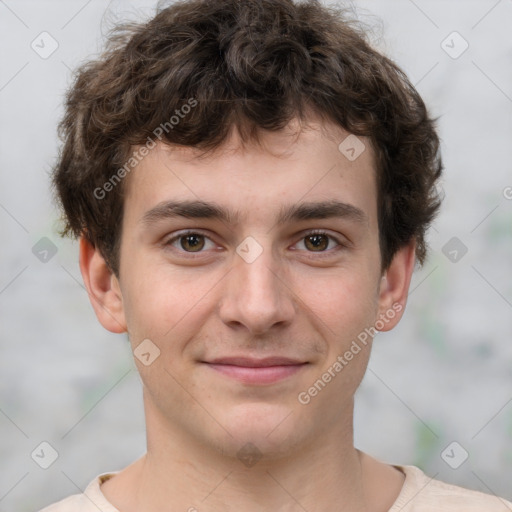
x=290 y=301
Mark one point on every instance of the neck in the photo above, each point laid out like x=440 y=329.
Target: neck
x=180 y=473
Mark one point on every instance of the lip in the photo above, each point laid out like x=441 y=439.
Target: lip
x=257 y=371
x=251 y=362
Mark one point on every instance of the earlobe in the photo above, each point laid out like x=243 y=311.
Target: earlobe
x=102 y=287
x=394 y=287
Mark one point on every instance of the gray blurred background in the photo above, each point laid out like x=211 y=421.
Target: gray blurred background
x=443 y=376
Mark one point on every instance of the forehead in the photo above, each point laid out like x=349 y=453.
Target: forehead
x=320 y=163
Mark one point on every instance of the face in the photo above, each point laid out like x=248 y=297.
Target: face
x=243 y=306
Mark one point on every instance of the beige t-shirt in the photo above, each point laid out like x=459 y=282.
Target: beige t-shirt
x=419 y=493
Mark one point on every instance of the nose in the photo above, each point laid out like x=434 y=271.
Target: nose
x=257 y=294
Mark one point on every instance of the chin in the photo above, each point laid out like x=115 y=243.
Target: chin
x=267 y=429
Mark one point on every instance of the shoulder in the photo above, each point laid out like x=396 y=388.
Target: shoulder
x=74 y=503
x=91 y=500
x=422 y=493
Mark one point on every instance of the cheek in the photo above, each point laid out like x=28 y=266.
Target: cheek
x=167 y=305
x=343 y=302
x=347 y=307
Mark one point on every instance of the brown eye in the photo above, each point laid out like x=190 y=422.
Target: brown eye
x=320 y=242
x=192 y=243
x=317 y=242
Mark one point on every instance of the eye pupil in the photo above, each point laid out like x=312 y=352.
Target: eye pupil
x=318 y=241
x=194 y=244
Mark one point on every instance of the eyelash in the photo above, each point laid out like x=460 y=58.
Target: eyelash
x=325 y=253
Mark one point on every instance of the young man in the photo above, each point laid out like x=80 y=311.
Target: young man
x=251 y=184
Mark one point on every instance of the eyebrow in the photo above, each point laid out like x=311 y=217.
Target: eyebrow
x=288 y=213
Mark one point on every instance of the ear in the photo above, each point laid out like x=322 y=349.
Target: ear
x=394 y=287
x=102 y=287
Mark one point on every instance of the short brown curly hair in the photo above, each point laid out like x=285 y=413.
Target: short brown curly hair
x=251 y=64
